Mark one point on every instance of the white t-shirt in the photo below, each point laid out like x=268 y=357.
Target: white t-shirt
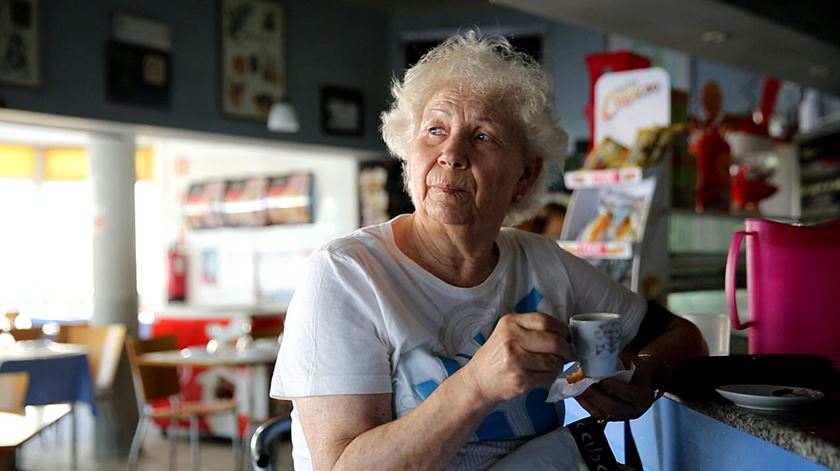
x=366 y=319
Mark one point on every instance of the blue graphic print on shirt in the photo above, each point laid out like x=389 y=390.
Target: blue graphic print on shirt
x=496 y=426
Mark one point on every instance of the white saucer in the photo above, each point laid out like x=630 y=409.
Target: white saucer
x=769 y=397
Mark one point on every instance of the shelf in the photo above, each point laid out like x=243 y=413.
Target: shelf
x=701 y=272
x=598 y=250
x=821 y=213
x=822 y=187
x=707 y=233
x=825 y=132
x=594 y=178
x=819 y=157
x=818 y=172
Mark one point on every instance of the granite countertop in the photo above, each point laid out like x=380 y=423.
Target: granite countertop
x=812 y=431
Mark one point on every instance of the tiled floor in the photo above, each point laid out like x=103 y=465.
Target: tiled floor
x=51 y=451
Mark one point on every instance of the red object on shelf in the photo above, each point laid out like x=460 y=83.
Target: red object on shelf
x=713 y=159
x=758 y=123
x=600 y=64
x=749 y=185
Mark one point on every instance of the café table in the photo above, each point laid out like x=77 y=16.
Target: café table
x=255 y=360
x=17 y=428
x=58 y=374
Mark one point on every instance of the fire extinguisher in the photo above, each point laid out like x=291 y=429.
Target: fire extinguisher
x=176 y=266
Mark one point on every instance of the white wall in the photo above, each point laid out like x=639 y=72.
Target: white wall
x=336 y=214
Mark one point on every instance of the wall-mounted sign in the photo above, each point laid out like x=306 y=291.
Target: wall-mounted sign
x=20 y=62
x=253 y=57
x=341 y=111
x=138 y=74
x=628 y=101
x=250 y=202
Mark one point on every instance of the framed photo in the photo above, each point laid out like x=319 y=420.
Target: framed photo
x=341 y=111
x=20 y=62
x=138 y=74
x=253 y=57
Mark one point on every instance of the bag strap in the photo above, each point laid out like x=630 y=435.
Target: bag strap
x=592 y=444
x=631 y=453
x=595 y=450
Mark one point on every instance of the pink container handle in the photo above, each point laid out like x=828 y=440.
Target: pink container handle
x=730 y=280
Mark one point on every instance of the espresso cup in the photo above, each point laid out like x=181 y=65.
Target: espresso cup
x=596 y=340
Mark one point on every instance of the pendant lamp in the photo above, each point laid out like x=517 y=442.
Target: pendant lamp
x=282 y=117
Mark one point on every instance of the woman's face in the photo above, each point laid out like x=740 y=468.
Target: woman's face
x=468 y=160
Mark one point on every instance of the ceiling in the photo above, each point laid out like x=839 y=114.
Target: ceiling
x=792 y=40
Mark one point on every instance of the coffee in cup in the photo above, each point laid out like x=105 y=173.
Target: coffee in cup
x=596 y=340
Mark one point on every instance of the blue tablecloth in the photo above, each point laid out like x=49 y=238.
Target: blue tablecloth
x=57 y=379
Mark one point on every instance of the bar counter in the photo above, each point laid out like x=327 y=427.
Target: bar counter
x=812 y=432
x=695 y=428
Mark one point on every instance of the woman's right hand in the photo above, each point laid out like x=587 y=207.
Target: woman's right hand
x=524 y=352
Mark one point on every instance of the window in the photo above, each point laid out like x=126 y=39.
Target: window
x=46 y=235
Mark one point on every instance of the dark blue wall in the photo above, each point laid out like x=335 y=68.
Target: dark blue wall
x=564 y=48
x=327 y=43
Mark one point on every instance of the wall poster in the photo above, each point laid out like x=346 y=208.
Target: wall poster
x=20 y=61
x=252 y=57
x=341 y=111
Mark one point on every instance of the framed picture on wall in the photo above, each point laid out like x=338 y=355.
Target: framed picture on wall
x=20 y=61
x=253 y=57
x=341 y=111
x=138 y=74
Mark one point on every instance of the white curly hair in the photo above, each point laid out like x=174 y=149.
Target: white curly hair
x=486 y=65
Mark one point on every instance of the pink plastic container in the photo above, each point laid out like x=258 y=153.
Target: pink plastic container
x=793 y=287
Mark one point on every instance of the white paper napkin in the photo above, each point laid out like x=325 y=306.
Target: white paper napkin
x=561 y=389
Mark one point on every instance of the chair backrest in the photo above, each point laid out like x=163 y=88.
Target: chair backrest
x=13 y=388
x=152 y=382
x=105 y=345
x=33 y=333
x=267 y=332
x=64 y=330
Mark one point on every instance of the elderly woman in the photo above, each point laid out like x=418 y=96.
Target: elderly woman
x=429 y=341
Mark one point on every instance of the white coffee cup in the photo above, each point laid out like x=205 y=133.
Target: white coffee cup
x=596 y=339
x=715 y=330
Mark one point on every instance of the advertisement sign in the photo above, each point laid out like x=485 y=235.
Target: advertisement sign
x=628 y=101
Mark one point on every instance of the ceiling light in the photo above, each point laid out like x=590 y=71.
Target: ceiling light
x=819 y=71
x=282 y=117
x=715 y=37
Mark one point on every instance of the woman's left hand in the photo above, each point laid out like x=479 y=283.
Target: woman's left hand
x=611 y=399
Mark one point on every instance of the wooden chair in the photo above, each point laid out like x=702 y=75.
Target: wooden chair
x=105 y=346
x=12 y=399
x=152 y=383
x=64 y=330
x=13 y=391
x=33 y=333
x=267 y=332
